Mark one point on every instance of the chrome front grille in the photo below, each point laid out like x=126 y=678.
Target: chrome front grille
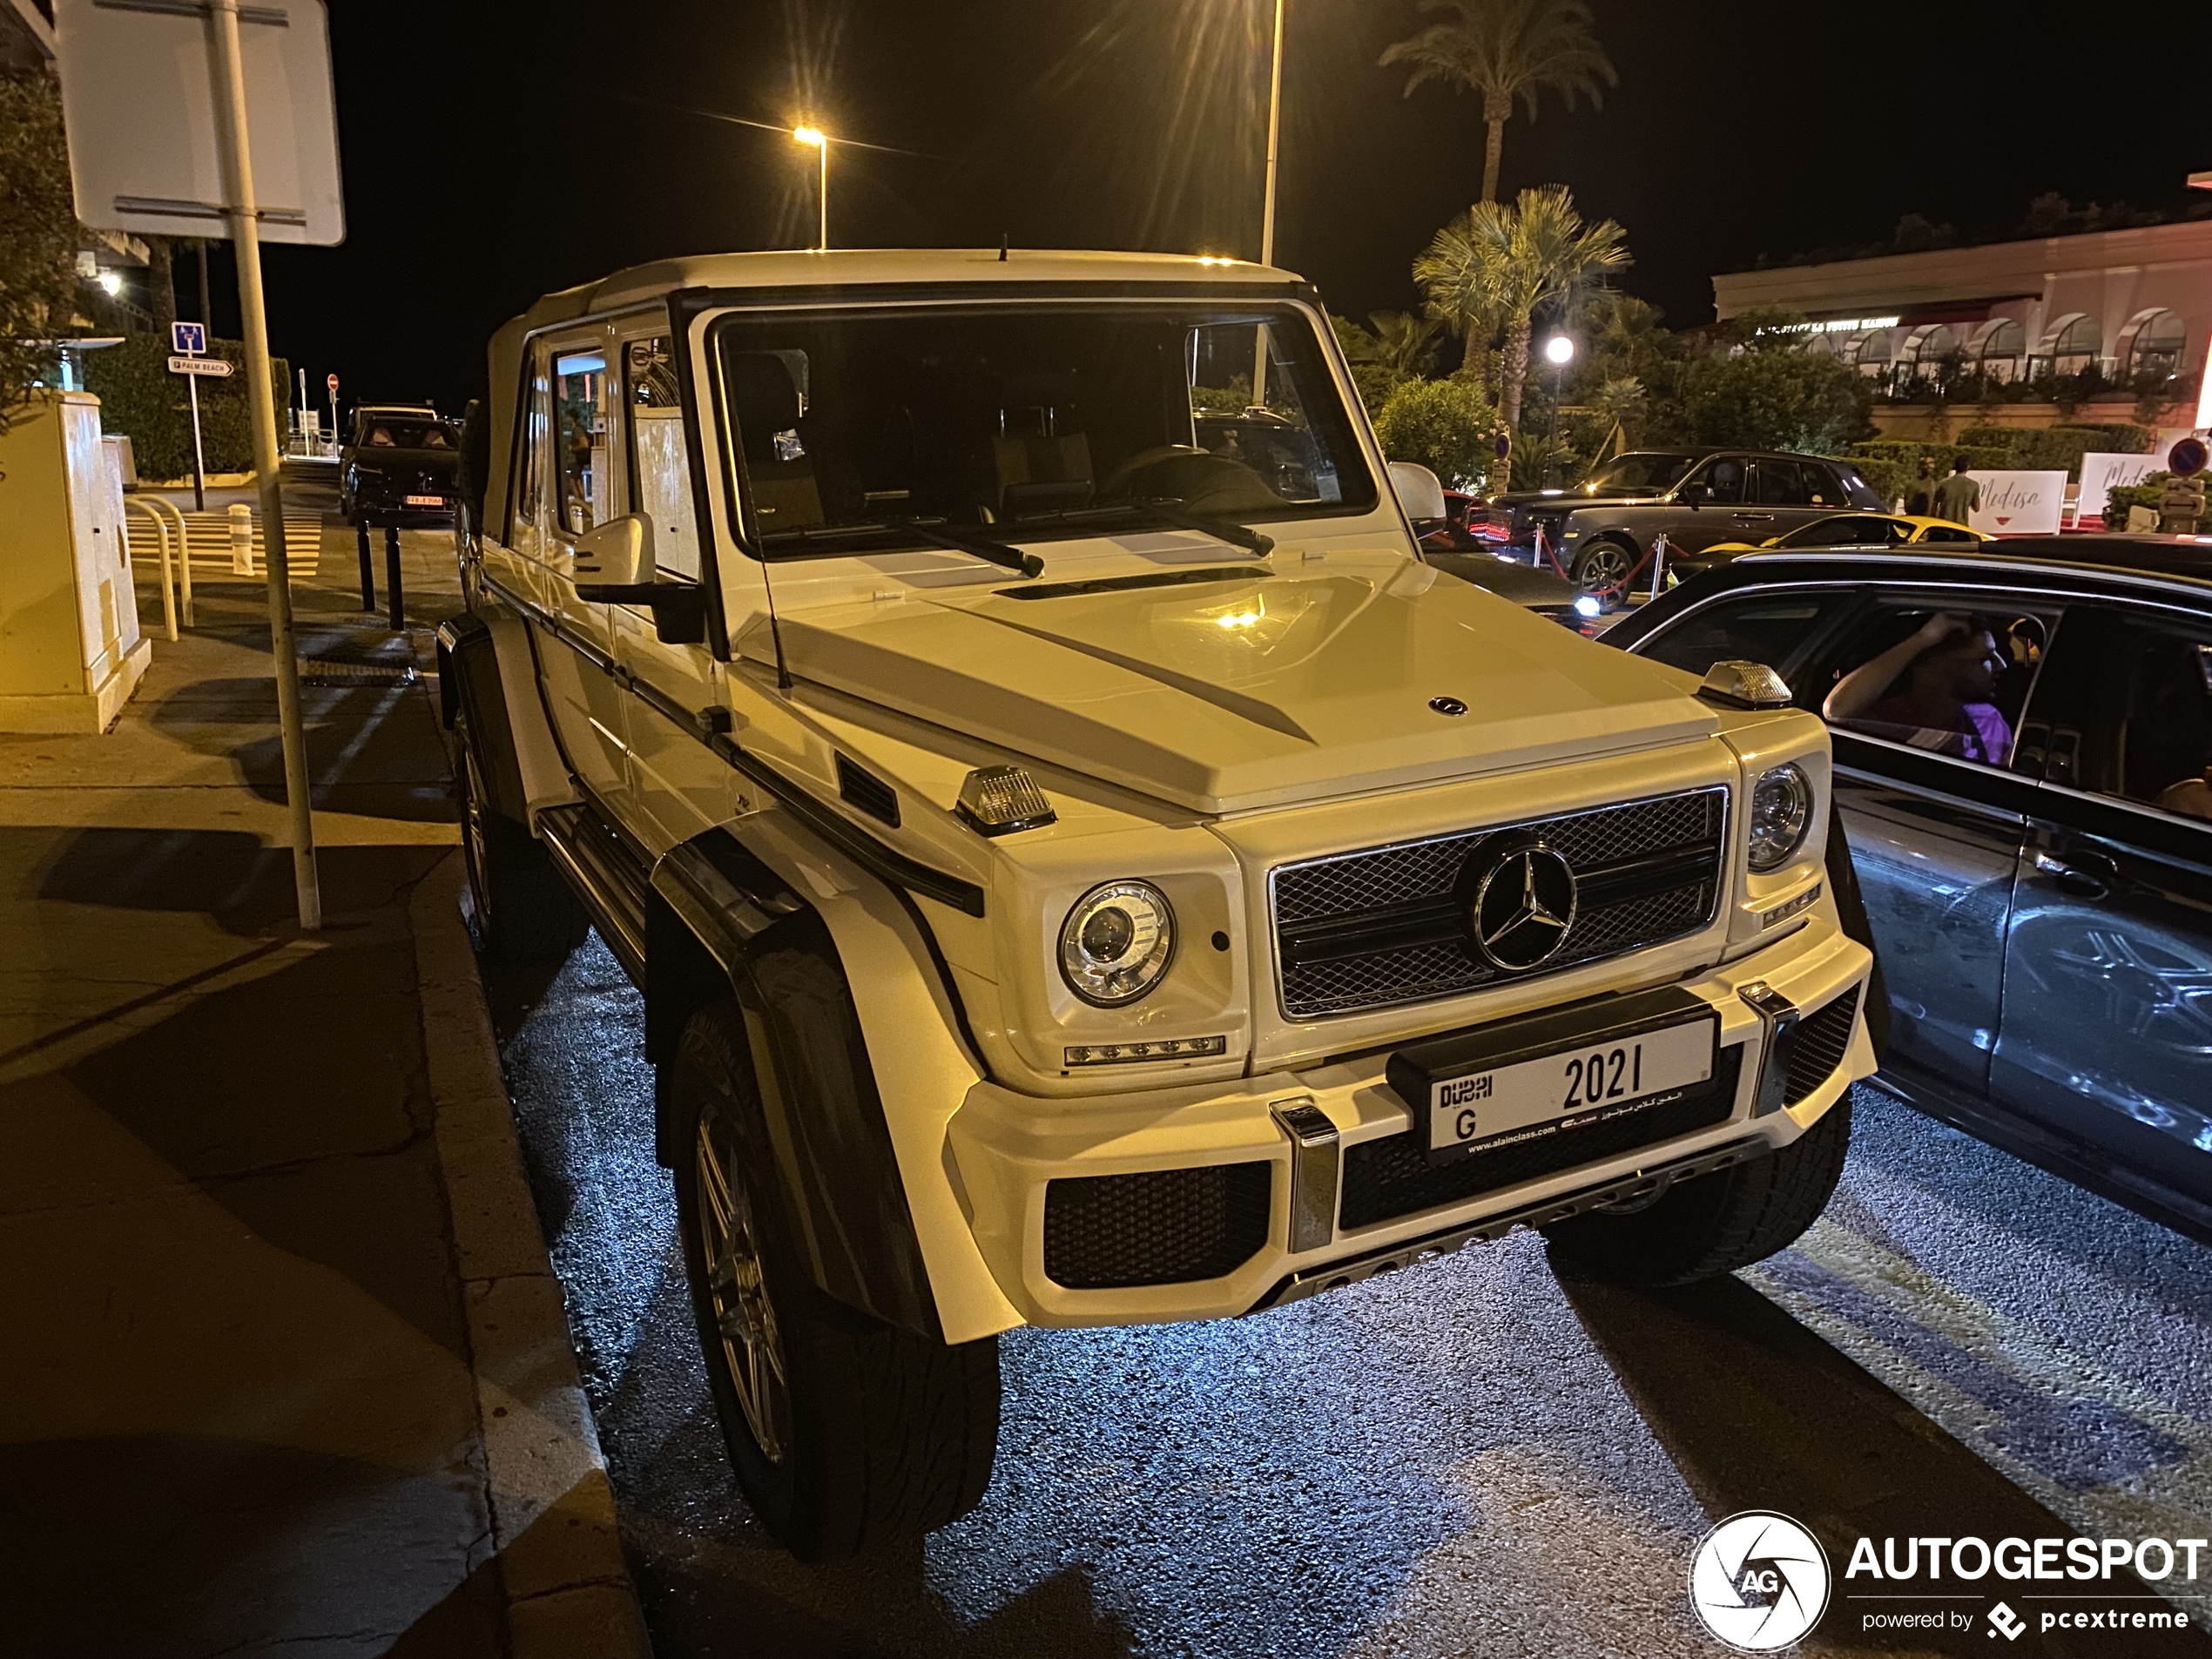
x=1382 y=927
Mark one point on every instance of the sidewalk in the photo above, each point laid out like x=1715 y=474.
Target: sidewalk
x=286 y=1367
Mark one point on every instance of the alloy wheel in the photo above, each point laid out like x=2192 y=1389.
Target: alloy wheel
x=1604 y=567
x=753 y=1353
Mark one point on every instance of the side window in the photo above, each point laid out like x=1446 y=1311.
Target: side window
x=1845 y=529
x=1947 y=532
x=523 y=533
x=1822 y=488
x=1948 y=679
x=581 y=483
x=2142 y=694
x=660 y=471
x=1756 y=627
x=1782 y=483
x=1723 y=479
x=1857 y=491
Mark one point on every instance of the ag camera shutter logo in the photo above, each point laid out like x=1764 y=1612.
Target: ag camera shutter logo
x=1759 y=1581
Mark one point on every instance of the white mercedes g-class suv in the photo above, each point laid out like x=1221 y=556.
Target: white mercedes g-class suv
x=1082 y=866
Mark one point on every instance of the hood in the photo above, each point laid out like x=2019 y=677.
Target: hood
x=1229 y=691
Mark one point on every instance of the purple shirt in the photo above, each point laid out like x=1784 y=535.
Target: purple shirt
x=1981 y=734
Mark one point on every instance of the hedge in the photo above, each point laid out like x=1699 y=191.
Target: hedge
x=140 y=397
x=2051 y=447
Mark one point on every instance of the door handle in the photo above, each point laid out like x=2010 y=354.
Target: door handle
x=1754 y=518
x=2090 y=875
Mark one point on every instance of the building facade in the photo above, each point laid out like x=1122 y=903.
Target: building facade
x=2135 y=304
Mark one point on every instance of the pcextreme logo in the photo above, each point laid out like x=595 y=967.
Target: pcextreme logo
x=1759 y=1581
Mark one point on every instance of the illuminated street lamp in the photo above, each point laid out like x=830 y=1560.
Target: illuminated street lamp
x=111 y=282
x=819 y=140
x=1559 y=351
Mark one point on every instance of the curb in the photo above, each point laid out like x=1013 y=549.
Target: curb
x=555 y=1539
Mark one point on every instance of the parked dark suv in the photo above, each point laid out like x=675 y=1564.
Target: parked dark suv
x=1602 y=529
x=2023 y=760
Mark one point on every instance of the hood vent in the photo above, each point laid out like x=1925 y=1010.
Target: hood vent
x=864 y=790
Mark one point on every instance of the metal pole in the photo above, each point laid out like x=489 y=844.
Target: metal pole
x=245 y=235
x=824 y=147
x=198 y=461
x=1267 y=211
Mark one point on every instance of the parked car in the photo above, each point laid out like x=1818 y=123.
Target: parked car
x=1108 y=881
x=1533 y=589
x=1857 y=531
x=1603 y=527
x=400 y=463
x=2028 y=810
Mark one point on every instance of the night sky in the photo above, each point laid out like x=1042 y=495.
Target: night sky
x=495 y=152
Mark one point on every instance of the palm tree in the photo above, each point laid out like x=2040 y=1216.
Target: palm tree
x=1403 y=343
x=1497 y=266
x=1508 y=51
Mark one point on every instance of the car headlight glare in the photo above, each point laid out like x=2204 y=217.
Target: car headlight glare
x=1781 y=814
x=1117 y=942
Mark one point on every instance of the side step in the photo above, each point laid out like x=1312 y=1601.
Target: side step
x=608 y=876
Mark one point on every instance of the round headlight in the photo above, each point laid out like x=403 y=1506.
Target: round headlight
x=1781 y=813
x=1117 y=942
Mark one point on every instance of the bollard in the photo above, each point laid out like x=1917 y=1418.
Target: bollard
x=241 y=539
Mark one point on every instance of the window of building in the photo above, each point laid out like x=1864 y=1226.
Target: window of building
x=2155 y=348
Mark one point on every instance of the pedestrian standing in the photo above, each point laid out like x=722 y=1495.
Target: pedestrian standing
x=1957 y=496
x=1919 y=500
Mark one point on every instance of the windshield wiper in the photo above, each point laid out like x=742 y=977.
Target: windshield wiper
x=1168 y=513
x=934 y=531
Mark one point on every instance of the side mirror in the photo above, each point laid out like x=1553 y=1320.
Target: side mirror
x=614 y=566
x=1419 y=491
x=618 y=553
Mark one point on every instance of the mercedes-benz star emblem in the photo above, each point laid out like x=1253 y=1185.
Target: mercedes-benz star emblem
x=1523 y=906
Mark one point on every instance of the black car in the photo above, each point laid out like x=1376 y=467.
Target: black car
x=2022 y=739
x=1601 y=532
x=1537 y=591
x=400 y=464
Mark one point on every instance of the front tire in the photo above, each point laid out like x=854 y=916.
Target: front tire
x=845 y=1433
x=1715 y=1224
x=521 y=908
x=1602 y=566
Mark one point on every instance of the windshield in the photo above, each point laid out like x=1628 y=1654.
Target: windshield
x=382 y=433
x=1033 y=422
x=1635 y=474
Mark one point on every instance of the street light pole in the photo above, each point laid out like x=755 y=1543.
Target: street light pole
x=1560 y=351
x=819 y=139
x=1267 y=210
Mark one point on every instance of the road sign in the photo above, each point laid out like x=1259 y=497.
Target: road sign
x=215 y=365
x=139 y=96
x=331 y=380
x=188 y=338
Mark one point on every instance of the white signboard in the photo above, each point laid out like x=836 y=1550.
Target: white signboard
x=2019 y=503
x=2102 y=474
x=138 y=98
x=215 y=365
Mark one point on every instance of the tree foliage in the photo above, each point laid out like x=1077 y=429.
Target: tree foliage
x=1446 y=426
x=1775 y=396
x=1506 y=52
x=37 y=234
x=1495 y=266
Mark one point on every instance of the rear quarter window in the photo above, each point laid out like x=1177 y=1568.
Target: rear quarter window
x=1857 y=490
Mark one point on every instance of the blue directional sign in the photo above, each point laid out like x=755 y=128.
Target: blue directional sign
x=188 y=338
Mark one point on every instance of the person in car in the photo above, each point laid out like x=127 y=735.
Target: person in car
x=1932 y=690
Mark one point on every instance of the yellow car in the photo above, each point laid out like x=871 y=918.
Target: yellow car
x=1853 y=530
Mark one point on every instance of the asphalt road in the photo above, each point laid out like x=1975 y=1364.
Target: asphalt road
x=1471 y=1456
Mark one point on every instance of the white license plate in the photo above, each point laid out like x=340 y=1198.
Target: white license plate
x=1532 y=1098
x=426 y=501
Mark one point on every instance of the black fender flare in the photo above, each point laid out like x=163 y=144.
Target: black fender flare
x=719 y=925
x=468 y=684
x=1850 y=909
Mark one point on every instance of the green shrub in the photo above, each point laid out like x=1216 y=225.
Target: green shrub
x=140 y=397
x=1889 y=465
x=1446 y=426
x=2119 y=498
x=2051 y=447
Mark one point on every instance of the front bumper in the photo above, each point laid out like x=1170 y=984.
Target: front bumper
x=1009 y=1147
